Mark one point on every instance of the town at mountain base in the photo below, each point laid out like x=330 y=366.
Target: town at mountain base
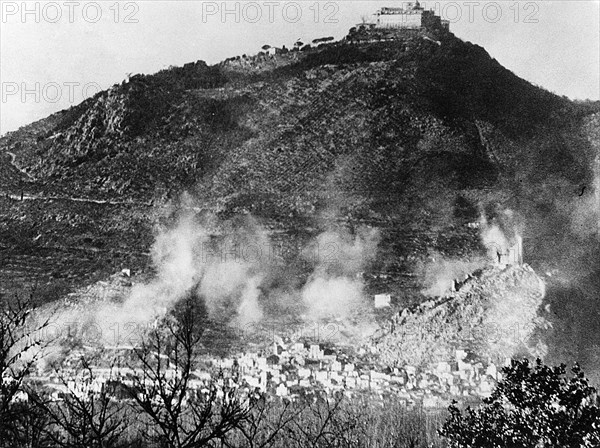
x=398 y=127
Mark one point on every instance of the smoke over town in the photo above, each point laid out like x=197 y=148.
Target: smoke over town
x=241 y=278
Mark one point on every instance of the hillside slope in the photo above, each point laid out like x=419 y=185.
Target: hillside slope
x=375 y=122
x=418 y=139
x=493 y=313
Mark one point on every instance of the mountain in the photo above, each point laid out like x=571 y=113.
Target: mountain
x=422 y=138
x=360 y=119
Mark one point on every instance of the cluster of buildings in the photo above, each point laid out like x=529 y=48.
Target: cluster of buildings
x=298 y=370
x=295 y=371
x=387 y=23
x=411 y=16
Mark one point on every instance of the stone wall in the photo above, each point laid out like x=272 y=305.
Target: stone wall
x=409 y=21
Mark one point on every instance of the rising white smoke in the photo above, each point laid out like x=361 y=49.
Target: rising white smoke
x=440 y=274
x=335 y=290
x=234 y=276
x=502 y=241
x=226 y=275
x=177 y=258
x=336 y=297
x=502 y=238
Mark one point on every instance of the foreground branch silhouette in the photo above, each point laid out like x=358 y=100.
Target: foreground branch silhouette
x=533 y=406
x=20 y=348
x=182 y=417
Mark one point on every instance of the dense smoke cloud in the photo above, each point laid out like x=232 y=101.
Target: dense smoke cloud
x=334 y=288
x=241 y=278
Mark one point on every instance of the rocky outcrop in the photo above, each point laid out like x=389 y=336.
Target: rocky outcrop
x=493 y=313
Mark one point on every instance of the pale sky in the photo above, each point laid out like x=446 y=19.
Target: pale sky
x=55 y=54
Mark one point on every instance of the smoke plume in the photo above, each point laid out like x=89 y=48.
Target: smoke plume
x=241 y=277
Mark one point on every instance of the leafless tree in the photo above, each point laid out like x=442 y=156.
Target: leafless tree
x=321 y=424
x=182 y=418
x=28 y=429
x=86 y=417
x=267 y=425
x=20 y=348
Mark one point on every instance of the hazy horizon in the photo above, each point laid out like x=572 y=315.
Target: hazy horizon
x=56 y=55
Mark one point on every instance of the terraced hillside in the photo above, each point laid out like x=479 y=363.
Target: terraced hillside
x=417 y=138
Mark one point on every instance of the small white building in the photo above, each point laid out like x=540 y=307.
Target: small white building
x=282 y=390
x=20 y=396
x=321 y=376
x=251 y=380
x=336 y=366
x=298 y=347
x=443 y=367
x=460 y=355
x=363 y=383
x=485 y=388
x=304 y=383
x=261 y=362
x=304 y=373
x=492 y=371
x=383 y=300
x=379 y=376
x=270 y=51
x=315 y=352
x=397 y=379
x=226 y=363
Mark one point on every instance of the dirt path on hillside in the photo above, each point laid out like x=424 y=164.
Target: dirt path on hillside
x=13 y=158
x=27 y=197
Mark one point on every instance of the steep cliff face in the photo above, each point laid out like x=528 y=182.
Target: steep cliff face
x=495 y=312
